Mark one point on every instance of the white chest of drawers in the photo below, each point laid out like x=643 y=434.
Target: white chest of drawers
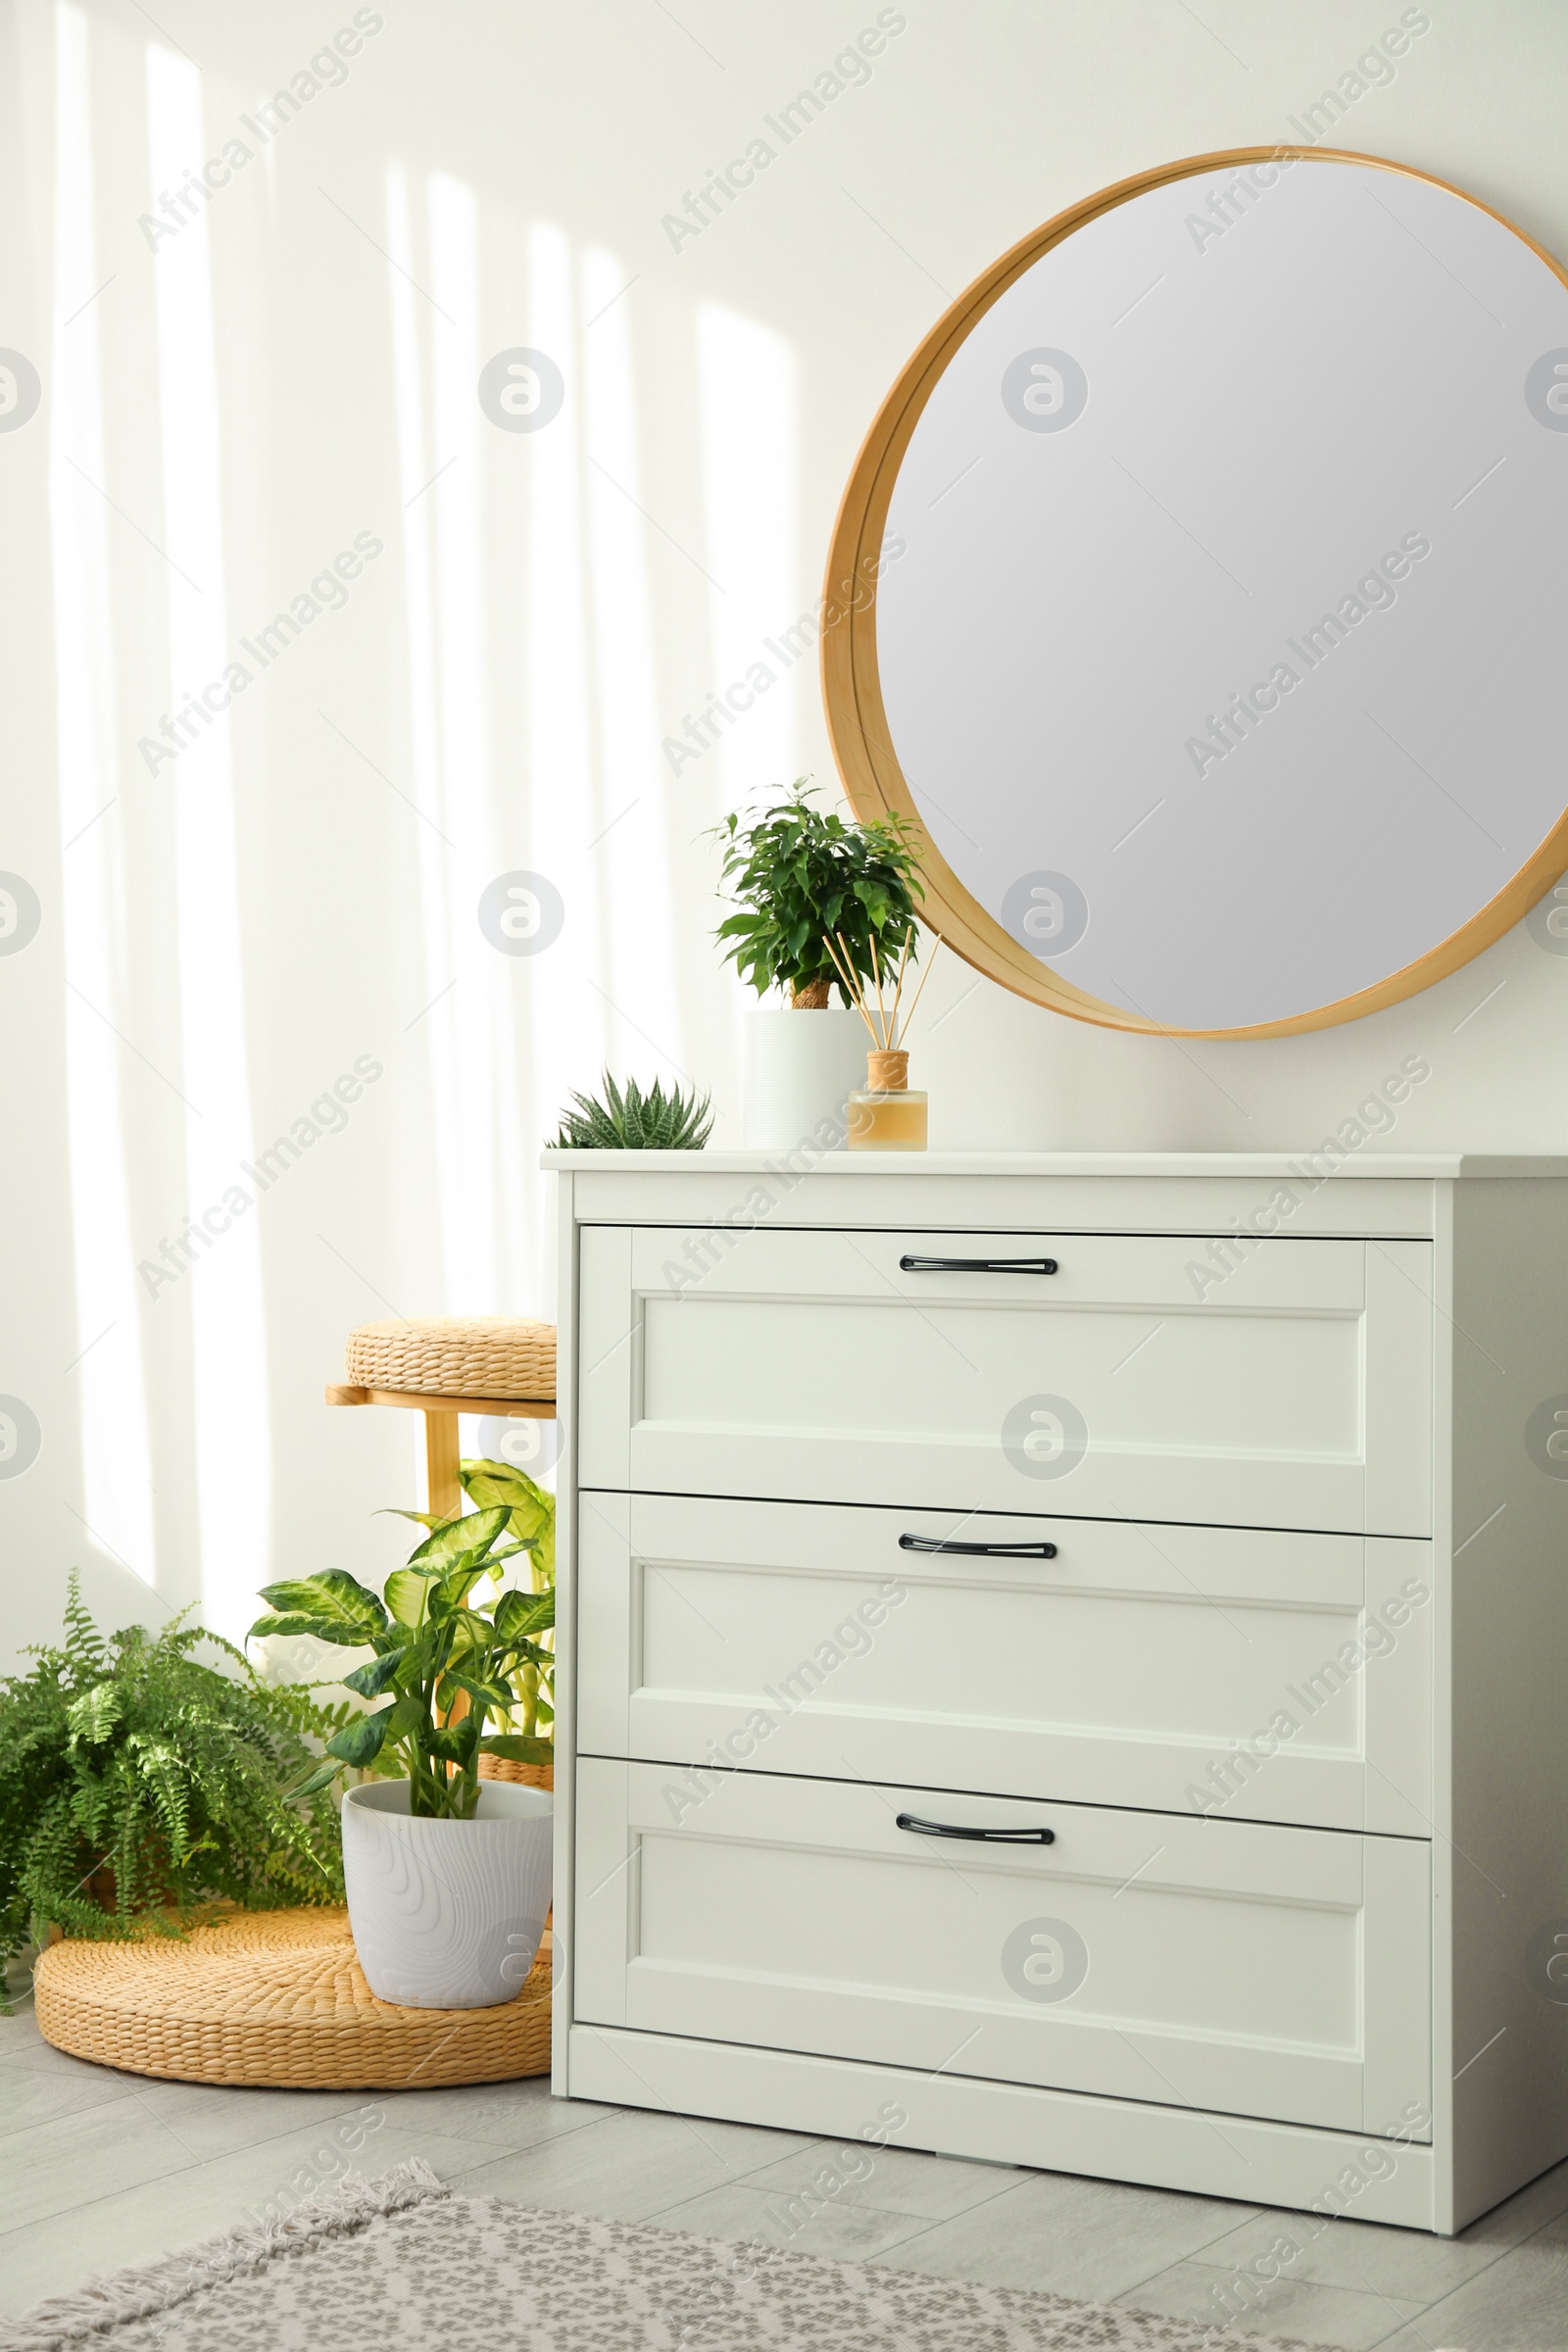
x=1073 y=1650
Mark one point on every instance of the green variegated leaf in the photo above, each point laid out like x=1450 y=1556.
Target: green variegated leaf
x=521 y=1613
x=453 y=1743
x=509 y=1551
x=532 y=1507
x=456 y=1589
x=517 y=1749
x=361 y=1740
x=372 y=1679
x=468 y=1632
x=406 y=1590
x=335 y=1599
x=484 y=1693
x=447 y=1543
x=296 y=1621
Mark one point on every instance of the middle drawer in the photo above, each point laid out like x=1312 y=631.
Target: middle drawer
x=1253 y=1673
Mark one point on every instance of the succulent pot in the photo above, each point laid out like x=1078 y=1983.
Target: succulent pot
x=447 y=1914
x=801 y=1064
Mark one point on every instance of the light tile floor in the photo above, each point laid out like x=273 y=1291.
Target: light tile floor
x=99 y=2169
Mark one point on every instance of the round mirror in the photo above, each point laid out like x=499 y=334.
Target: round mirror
x=1213 y=554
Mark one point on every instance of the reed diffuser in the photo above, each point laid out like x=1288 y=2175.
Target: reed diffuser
x=887 y=1114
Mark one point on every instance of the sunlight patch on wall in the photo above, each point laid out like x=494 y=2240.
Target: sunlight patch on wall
x=637 y=799
x=478 y=1014
x=117 y=1470
x=764 y=643
x=571 y=1022
x=224 y=1286
x=431 y=847
x=746 y=405
x=469 y=1030
x=526 y=552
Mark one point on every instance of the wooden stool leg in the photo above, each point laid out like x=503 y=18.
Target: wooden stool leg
x=443 y=1493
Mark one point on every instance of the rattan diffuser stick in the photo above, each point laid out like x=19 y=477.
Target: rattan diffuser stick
x=851 y=986
x=887 y=1031
x=904 y=959
x=920 y=991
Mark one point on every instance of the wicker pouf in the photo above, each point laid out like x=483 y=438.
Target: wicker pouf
x=277 y=1997
x=456 y=1355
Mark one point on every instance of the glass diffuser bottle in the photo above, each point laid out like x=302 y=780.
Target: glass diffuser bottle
x=886 y=1114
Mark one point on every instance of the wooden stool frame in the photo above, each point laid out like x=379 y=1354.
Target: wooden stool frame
x=444 y=1491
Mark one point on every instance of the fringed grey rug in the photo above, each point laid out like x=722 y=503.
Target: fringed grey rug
x=399 y=2263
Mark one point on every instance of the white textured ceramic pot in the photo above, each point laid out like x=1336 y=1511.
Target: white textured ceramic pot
x=447 y=1914
x=799 y=1067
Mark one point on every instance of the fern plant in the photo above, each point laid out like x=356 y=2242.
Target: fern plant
x=138 y=1784
x=629 y=1120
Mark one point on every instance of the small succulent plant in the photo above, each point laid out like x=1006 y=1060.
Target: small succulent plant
x=629 y=1120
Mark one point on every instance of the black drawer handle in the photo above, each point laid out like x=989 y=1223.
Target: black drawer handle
x=977 y=1265
x=947 y=1828
x=984 y=1551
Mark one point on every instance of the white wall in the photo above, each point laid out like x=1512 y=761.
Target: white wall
x=228 y=408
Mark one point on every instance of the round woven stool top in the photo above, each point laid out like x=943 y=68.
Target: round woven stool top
x=456 y=1355
x=277 y=1997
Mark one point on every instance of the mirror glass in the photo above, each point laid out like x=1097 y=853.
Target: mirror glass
x=1223 y=567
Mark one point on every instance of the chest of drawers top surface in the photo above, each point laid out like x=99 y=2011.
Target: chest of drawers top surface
x=1317 y=1191
x=1379 y=1167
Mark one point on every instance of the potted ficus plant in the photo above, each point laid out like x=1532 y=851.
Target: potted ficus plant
x=447 y=1874
x=815 y=894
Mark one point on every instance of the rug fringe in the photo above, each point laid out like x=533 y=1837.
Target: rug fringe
x=142 y=2292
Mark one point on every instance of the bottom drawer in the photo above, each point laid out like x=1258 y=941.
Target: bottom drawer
x=1233 y=1966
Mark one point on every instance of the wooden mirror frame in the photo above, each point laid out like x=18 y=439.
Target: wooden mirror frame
x=852 y=694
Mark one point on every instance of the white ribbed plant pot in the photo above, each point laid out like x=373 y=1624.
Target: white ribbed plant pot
x=799 y=1068
x=447 y=1914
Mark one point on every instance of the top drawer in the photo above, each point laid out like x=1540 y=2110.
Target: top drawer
x=1139 y=1380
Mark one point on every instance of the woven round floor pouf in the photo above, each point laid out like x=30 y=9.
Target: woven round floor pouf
x=456 y=1355
x=277 y=1999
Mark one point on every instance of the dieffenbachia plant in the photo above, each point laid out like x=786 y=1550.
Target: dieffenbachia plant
x=448 y=1664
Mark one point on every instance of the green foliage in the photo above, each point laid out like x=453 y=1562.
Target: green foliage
x=533 y=1508
x=135 y=1780
x=450 y=1664
x=534 y=1521
x=632 y=1121
x=803 y=878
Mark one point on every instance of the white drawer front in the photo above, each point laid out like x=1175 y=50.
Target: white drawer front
x=1231 y=1966
x=1293 y=1392
x=1263 y=1675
